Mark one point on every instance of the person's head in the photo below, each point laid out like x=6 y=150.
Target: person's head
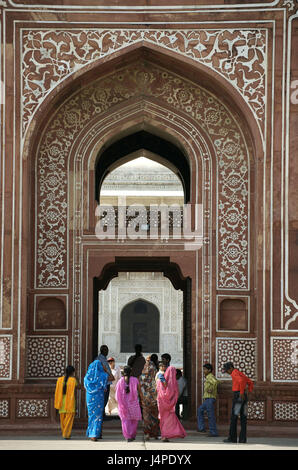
x=178 y=374
x=138 y=349
x=207 y=368
x=166 y=357
x=154 y=359
x=69 y=372
x=104 y=350
x=228 y=367
x=111 y=362
x=126 y=373
x=162 y=366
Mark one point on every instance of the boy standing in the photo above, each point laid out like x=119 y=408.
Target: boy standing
x=209 y=399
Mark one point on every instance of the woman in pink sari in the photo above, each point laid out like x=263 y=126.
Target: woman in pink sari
x=127 y=390
x=167 y=396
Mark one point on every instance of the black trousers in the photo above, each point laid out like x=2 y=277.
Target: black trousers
x=239 y=408
x=184 y=402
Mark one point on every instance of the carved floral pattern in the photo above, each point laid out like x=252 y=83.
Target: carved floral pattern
x=32 y=408
x=149 y=81
x=51 y=55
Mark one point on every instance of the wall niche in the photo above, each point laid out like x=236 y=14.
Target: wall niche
x=233 y=314
x=50 y=314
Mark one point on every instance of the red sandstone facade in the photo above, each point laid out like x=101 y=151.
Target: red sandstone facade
x=219 y=82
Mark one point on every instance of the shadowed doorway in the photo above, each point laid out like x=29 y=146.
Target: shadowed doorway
x=140 y=323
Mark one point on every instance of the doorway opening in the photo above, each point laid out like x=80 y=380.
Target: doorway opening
x=163 y=312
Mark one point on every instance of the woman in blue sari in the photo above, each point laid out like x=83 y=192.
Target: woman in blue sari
x=95 y=383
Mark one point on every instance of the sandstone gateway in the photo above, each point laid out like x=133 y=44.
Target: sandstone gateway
x=210 y=92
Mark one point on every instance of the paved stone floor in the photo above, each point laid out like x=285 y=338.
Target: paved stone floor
x=113 y=441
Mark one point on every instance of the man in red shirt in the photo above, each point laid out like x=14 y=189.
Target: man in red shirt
x=239 y=407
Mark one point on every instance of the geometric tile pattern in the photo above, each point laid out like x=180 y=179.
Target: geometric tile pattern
x=46 y=356
x=32 y=408
x=285 y=411
x=5 y=359
x=256 y=410
x=4 y=409
x=242 y=352
x=284 y=359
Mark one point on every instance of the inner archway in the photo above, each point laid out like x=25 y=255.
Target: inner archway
x=140 y=324
x=143 y=299
x=112 y=156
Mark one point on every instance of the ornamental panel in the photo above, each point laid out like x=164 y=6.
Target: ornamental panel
x=46 y=356
x=285 y=411
x=242 y=352
x=49 y=56
x=5 y=357
x=32 y=408
x=256 y=410
x=284 y=357
x=4 y=408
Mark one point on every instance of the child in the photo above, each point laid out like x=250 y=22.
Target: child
x=160 y=374
x=65 y=400
x=209 y=399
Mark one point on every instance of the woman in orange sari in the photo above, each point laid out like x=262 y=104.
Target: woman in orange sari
x=65 y=400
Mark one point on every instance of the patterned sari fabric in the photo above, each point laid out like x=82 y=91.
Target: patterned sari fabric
x=95 y=382
x=128 y=406
x=149 y=400
x=167 y=397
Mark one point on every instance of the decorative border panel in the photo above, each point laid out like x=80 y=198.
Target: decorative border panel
x=242 y=352
x=32 y=408
x=5 y=357
x=285 y=411
x=49 y=56
x=46 y=356
x=256 y=410
x=284 y=359
x=4 y=408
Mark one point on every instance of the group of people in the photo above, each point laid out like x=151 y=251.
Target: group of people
x=147 y=390
x=240 y=384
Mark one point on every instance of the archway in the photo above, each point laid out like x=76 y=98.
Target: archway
x=170 y=154
x=140 y=324
x=142 y=97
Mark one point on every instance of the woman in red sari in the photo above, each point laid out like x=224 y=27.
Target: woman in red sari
x=167 y=396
